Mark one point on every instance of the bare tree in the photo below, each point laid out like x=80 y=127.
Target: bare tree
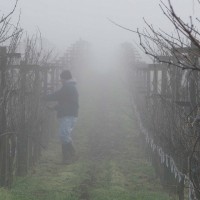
x=7 y=28
x=173 y=102
x=24 y=123
x=182 y=47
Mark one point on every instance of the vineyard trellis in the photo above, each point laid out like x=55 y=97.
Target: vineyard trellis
x=25 y=122
x=166 y=96
x=167 y=102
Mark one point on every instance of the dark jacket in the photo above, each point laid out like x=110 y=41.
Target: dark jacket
x=67 y=100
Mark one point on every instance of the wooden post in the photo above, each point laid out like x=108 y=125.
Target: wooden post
x=148 y=83
x=5 y=154
x=193 y=89
x=155 y=80
x=53 y=79
x=193 y=97
x=3 y=58
x=45 y=80
x=164 y=81
x=37 y=147
x=3 y=140
x=23 y=136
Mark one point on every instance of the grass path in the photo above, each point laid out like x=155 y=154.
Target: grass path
x=111 y=164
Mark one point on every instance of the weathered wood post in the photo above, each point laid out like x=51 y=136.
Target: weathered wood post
x=52 y=78
x=180 y=159
x=37 y=146
x=164 y=81
x=155 y=79
x=5 y=138
x=148 y=83
x=22 y=146
x=57 y=75
x=193 y=97
x=3 y=125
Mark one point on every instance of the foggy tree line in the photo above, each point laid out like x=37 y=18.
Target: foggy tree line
x=166 y=97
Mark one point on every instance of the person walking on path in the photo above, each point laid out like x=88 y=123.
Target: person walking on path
x=67 y=107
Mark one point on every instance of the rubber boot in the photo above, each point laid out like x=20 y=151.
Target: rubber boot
x=65 y=153
x=71 y=150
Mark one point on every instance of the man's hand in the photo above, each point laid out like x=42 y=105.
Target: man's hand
x=52 y=108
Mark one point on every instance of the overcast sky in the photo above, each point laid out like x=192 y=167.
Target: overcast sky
x=64 y=21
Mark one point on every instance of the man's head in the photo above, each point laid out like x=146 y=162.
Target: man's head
x=65 y=75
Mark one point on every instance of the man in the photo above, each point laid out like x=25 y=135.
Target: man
x=67 y=107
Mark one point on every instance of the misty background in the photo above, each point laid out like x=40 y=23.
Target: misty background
x=128 y=111
x=65 y=21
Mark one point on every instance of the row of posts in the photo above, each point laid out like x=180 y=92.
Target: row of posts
x=156 y=81
x=20 y=147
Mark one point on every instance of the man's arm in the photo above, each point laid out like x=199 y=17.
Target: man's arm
x=54 y=96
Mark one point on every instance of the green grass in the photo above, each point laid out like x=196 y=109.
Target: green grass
x=111 y=164
x=5 y=194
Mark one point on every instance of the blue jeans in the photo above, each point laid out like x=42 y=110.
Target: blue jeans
x=66 y=125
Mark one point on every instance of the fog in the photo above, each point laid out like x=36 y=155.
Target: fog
x=127 y=108
x=65 y=21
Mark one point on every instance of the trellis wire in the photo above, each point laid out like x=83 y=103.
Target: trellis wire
x=165 y=158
